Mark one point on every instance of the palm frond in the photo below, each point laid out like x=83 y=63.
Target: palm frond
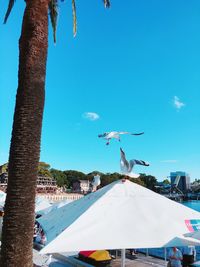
x=74 y=17
x=10 y=6
x=106 y=3
x=53 y=12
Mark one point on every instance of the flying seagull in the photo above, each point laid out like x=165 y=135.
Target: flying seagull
x=127 y=166
x=109 y=135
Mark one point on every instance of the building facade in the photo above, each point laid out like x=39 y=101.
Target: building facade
x=181 y=180
x=81 y=186
x=44 y=184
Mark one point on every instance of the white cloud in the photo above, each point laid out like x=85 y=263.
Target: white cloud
x=169 y=161
x=177 y=103
x=92 y=116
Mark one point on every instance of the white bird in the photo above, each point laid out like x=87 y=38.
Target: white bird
x=109 y=135
x=96 y=182
x=127 y=166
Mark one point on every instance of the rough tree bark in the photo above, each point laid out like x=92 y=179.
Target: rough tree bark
x=17 y=235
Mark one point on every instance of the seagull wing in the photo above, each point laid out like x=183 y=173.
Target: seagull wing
x=131 y=164
x=123 y=132
x=112 y=134
x=141 y=162
x=123 y=162
x=131 y=133
x=137 y=133
x=102 y=135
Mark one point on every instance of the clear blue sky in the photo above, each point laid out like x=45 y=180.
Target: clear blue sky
x=136 y=65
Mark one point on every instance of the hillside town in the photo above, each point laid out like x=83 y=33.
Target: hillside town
x=177 y=186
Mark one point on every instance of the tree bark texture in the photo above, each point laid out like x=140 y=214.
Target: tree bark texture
x=17 y=235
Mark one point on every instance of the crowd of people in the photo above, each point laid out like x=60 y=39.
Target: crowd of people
x=184 y=257
x=39 y=235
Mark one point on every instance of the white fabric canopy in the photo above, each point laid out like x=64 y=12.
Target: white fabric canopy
x=41 y=203
x=2 y=197
x=120 y=215
x=193 y=234
x=54 y=206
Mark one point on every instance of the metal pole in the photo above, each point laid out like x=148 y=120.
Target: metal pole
x=147 y=252
x=165 y=254
x=123 y=257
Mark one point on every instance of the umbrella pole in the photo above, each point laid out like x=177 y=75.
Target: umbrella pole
x=147 y=252
x=165 y=253
x=123 y=257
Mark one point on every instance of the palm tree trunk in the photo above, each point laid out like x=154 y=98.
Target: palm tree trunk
x=17 y=235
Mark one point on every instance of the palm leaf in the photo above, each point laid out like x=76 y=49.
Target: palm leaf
x=106 y=3
x=53 y=12
x=74 y=17
x=10 y=6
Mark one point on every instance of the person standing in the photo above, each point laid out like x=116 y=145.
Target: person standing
x=175 y=257
x=189 y=255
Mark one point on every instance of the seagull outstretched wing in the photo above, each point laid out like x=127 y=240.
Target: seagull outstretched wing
x=114 y=134
x=127 y=166
x=137 y=133
x=124 y=164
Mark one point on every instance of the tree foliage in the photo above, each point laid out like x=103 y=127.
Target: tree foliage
x=60 y=177
x=166 y=181
x=149 y=181
x=44 y=169
x=4 y=168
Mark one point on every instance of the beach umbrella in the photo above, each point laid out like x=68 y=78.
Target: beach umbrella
x=118 y=216
x=54 y=206
x=2 y=197
x=194 y=229
x=41 y=203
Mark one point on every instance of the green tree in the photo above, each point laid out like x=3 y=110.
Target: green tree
x=44 y=169
x=166 y=181
x=149 y=181
x=4 y=168
x=16 y=249
x=73 y=176
x=60 y=177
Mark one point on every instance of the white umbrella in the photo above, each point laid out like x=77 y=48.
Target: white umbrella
x=118 y=216
x=194 y=231
x=41 y=203
x=54 y=206
x=2 y=197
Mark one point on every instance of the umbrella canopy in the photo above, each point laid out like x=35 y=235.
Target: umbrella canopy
x=54 y=206
x=41 y=203
x=120 y=215
x=2 y=197
x=194 y=229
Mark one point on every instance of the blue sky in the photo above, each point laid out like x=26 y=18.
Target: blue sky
x=136 y=66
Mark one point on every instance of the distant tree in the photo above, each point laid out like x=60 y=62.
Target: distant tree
x=73 y=176
x=149 y=181
x=166 y=181
x=137 y=181
x=44 y=169
x=4 y=168
x=60 y=177
x=109 y=178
